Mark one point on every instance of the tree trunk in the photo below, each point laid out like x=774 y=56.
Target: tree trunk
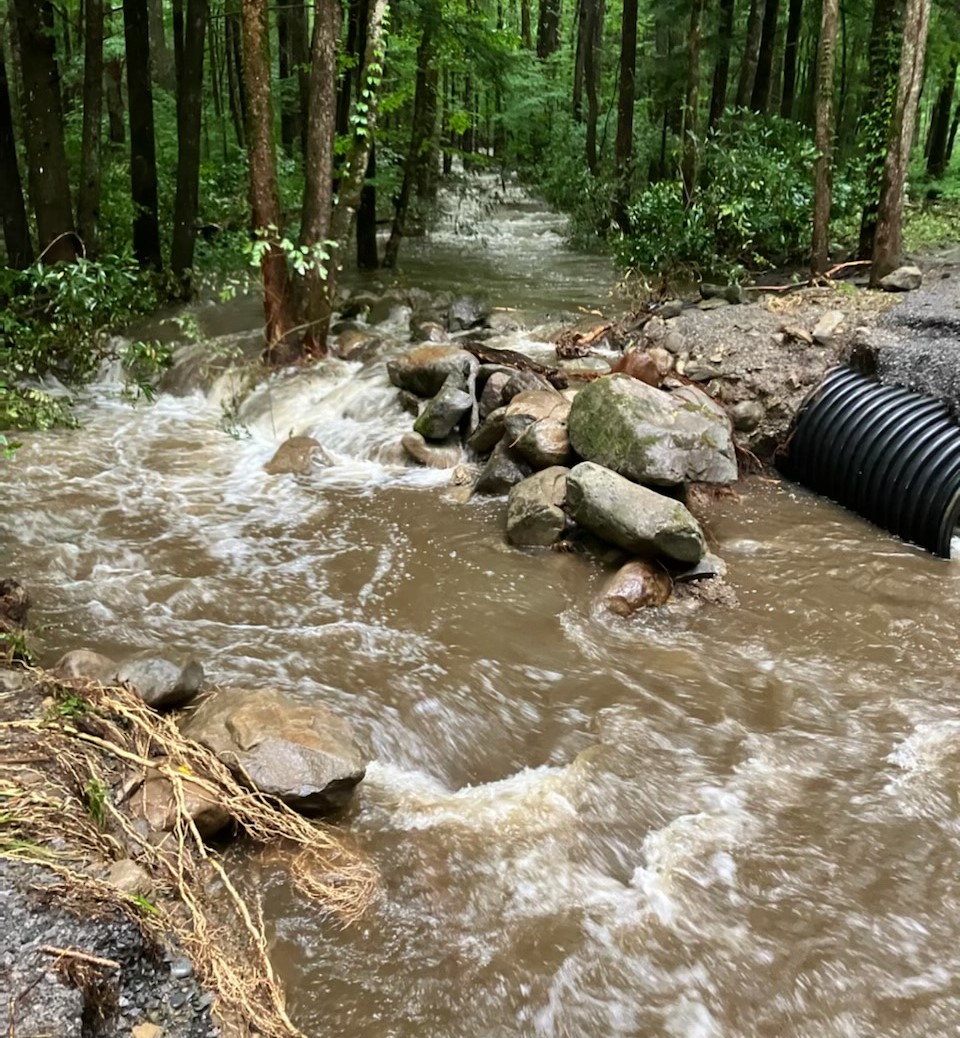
x=178 y=41
x=790 y=52
x=623 y=149
x=940 y=124
x=368 y=254
x=264 y=194
x=43 y=131
x=291 y=33
x=760 y=96
x=751 y=53
x=578 y=61
x=526 y=32
x=423 y=113
x=826 y=61
x=235 y=76
x=189 y=113
x=161 y=60
x=16 y=230
x=88 y=198
x=311 y=292
x=688 y=166
x=143 y=155
x=888 y=240
x=953 y=134
x=721 y=71
x=548 y=28
x=113 y=88
x=591 y=76
x=884 y=64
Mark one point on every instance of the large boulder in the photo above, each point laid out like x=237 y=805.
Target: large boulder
x=424 y=369
x=503 y=470
x=637 y=585
x=544 y=444
x=300 y=753
x=489 y=433
x=535 y=514
x=651 y=436
x=444 y=411
x=637 y=519
x=160 y=683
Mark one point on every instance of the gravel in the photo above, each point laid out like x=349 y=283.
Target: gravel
x=42 y=997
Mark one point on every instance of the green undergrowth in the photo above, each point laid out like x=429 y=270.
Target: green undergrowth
x=57 y=325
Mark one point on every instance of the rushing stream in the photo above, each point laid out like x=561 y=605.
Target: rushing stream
x=720 y=822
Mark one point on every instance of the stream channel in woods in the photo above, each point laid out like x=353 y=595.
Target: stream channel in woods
x=730 y=822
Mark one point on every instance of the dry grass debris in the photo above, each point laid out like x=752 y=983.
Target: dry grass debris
x=67 y=775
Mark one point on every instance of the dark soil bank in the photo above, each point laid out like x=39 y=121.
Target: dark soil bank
x=146 y=994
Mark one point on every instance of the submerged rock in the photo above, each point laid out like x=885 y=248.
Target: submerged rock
x=302 y=754
x=424 y=369
x=634 y=518
x=297 y=456
x=535 y=514
x=433 y=455
x=466 y=312
x=637 y=585
x=651 y=436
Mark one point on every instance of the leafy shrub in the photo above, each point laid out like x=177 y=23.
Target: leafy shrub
x=57 y=320
x=754 y=206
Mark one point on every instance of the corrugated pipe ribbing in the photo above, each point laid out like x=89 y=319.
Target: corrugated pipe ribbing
x=887 y=453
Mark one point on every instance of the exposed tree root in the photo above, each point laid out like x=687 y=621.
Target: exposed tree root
x=66 y=780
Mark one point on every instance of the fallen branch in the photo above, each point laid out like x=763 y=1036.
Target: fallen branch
x=512 y=359
x=72 y=953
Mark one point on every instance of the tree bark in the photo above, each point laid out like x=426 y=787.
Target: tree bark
x=143 y=154
x=884 y=64
x=526 y=32
x=688 y=165
x=888 y=240
x=751 y=52
x=161 y=60
x=548 y=28
x=16 y=229
x=43 y=131
x=826 y=61
x=114 y=97
x=760 y=96
x=940 y=124
x=235 y=75
x=790 y=53
x=311 y=291
x=264 y=194
x=294 y=74
x=189 y=113
x=578 y=61
x=423 y=111
x=953 y=133
x=591 y=76
x=623 y=148
x=721 y=70
x=88 y=199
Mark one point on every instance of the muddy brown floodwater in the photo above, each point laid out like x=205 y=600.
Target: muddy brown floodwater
x=725 y=822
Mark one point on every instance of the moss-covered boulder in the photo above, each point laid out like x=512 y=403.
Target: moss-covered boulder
x=650 y=436
x=637 y=519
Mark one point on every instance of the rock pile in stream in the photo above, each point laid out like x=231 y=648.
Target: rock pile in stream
x=607 y=459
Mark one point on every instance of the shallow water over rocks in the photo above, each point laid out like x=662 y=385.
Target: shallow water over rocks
x=698 y=822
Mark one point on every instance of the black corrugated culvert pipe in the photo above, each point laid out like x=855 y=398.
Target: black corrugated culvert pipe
x=889 y=454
